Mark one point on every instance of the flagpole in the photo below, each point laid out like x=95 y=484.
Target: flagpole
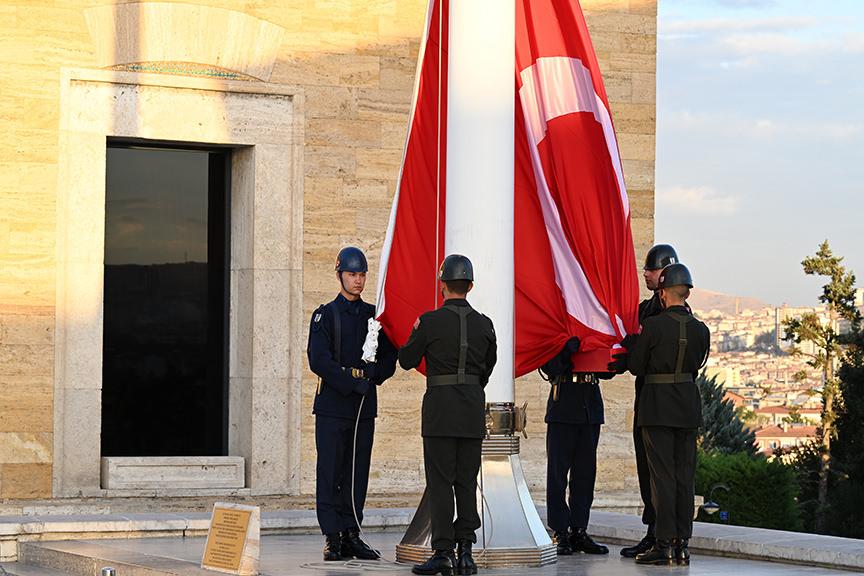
x=479 y=223
x=480 y=156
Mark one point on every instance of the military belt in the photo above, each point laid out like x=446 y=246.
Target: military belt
x=453 y=380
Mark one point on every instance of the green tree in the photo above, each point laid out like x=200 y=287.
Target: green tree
x=794 y=416
x=722 y=429
x=838 y=295
x=847 y=514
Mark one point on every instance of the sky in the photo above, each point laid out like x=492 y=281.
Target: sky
x=760 y=141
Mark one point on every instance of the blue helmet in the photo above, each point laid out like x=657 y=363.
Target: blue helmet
x=456 y=267
x=351 y=259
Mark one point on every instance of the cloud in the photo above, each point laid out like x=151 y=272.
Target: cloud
x=724 y=125
x=777 y=23
x=695 y=200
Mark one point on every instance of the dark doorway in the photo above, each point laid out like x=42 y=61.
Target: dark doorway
x=165 y=345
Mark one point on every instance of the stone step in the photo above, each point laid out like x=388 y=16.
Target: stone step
x=76 y=558
x=22 y=569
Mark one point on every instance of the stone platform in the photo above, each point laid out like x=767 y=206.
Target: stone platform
x=155 y=531
x=284 y=555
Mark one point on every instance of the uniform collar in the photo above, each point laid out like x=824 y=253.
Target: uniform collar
x=679 y=309
x=456 y=302
x=349 y=305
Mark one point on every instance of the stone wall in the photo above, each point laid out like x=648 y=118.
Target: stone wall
x=354 y=61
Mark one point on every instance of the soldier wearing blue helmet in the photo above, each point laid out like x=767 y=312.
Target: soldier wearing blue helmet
x=345 y=401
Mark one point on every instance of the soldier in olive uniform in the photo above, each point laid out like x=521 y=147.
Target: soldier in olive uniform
x=669 y=352
x=459 y=346
x=658 y=257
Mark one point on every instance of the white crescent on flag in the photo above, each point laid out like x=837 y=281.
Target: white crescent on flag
x=575 y=267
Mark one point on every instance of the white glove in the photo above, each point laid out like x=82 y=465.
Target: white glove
x=370 y=346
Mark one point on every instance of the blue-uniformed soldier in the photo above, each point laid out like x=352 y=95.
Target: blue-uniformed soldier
x=669 y=352
x=574 y=414
x=658 y=257
x=337 y=333
x=460 y=349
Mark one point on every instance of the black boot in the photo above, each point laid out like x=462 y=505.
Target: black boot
x=352 y=545
x=464 y=561
x=333 y=547
x=562 y=541
x=661 y=554
x=582 y=542
x=682 y=552
x=643 y=546
x=441 y=562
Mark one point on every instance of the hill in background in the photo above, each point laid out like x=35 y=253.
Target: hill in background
x=706 y=300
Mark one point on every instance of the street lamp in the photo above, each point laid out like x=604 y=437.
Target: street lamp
x=711 y=507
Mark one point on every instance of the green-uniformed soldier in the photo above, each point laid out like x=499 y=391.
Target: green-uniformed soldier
x=669 y=353
x=459 y=346
x=657 y=258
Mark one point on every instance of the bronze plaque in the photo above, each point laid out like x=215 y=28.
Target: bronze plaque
x=226 y=539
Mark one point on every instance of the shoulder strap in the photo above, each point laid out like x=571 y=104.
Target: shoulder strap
x=337 y=331
x=682 y=341
x=463 y=312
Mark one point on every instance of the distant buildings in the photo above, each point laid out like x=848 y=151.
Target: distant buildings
x=771 y=438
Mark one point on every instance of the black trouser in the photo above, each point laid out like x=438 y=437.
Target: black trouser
x=334 y=440
x=571 y=449
x=644 y=474
x=672 y=460
x=452 y=465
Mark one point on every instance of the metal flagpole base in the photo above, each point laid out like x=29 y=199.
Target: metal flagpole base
x=511 y=533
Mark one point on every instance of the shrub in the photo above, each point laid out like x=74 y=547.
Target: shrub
x=761 y=493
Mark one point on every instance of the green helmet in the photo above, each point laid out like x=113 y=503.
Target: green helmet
x=676 y=275
x=456 y=267
x=660 y=256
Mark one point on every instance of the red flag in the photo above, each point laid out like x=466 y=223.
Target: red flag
x=575 y=267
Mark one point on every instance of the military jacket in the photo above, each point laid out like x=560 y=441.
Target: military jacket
x=339 y=389
x=676 y=405
x=452 y=410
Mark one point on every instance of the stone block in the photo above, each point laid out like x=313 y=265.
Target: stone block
x=378 y=164
x=172 y=472
x=639 y=43
x=26 y=403
x=330 y=102
x=25 y=447
x=356 y=70
x=609 y=20
x=644 y=87
x=632 y=62
x=338 y=132
x=397 y=74
x=25 y=480
x=639 y=174
x=637 y=147
x=329 y=161
x=378 y=104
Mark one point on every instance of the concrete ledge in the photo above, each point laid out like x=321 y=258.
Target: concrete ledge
x=172 y=473
x=743 y=542
x=732 y=541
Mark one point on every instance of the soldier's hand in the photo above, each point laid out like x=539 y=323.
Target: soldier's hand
x=629 y=341
x=619 y=364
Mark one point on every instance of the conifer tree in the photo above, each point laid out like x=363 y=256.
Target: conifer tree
x=722 y=429
x=838 y=295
